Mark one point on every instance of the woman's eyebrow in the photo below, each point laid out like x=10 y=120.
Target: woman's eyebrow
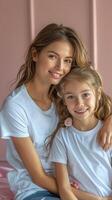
x=58 y=54
x=53 y=52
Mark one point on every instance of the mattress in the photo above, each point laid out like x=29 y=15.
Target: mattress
x=5 y=193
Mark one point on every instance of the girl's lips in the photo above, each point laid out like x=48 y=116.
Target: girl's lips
x=80 y=111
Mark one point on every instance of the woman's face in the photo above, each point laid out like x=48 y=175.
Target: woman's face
x=54 y=62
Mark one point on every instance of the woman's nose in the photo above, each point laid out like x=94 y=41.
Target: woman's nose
x=59 y=64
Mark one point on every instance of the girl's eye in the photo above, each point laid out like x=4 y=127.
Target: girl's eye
x=69 y=97
x=86 y=95
x=68 y=61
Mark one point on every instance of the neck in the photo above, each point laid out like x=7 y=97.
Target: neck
x=85 y=125
x=39 y=94
x=37 y=90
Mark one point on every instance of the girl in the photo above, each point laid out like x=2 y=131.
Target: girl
x=77 y=155
x=29 y=114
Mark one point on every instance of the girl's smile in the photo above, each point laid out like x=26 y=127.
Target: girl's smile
x=80 y=100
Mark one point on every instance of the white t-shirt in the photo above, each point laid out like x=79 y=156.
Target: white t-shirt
x=87 y=162
x=21 y=117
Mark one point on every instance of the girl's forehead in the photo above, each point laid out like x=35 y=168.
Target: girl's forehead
x=76 y=85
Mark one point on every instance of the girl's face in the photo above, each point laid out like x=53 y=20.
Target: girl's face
x=80 y=100
x=54 y=62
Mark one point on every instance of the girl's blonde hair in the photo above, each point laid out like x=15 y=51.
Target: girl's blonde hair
x=49 y=34
x=90 y=76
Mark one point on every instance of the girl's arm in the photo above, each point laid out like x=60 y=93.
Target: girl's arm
x=32 y=163
x=107 y=198
x=105 y=135
x=63 y=183
x=81 y=195
x=66 y=191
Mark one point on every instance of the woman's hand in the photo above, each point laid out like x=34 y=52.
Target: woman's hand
x=74 y=184
x=105 y=134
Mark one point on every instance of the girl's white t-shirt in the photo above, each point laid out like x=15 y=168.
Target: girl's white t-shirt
x=21 y=117
x=87 y=162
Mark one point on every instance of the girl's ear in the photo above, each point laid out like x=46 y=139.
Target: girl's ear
x=60 y=95
x=34 y=55
x=64 y=102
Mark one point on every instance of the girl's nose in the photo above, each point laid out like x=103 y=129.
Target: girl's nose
x=79 y=102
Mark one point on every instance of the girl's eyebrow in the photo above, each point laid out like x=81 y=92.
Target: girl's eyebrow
x=58 y=54
x=88 y=90
x=67 y=92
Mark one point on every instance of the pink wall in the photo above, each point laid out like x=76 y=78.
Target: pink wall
x=73 y=13
x=14 y=38
x=21 y=20
x=104 y=42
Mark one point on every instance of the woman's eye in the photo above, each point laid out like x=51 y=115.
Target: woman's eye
x=52 y=56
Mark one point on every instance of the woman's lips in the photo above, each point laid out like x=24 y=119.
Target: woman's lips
x=55 y=75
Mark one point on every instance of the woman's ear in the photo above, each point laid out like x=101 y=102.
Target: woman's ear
x=59 y=95
x=34 y=55
x=99 y=93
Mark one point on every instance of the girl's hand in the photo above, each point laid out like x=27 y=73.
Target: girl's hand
x=105 y=135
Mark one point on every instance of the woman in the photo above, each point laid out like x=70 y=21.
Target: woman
x=29 y=114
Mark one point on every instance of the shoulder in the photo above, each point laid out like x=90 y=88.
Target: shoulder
x=63 y=133
x=14 y=116
x=17 y=96
x=14 y=103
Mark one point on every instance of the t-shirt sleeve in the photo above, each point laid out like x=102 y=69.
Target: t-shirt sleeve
x=58 y=150
x=13 y=121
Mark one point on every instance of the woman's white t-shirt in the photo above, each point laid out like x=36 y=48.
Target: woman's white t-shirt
x=21 y=117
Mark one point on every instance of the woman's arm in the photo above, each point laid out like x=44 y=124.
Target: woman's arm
x=63 y=182
x=30 y=158
x=105 y=135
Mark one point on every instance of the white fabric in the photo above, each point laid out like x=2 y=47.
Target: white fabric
x=21 y=117
x=87 y=162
